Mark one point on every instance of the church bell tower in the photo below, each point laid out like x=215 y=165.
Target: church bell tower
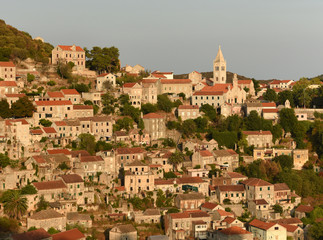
x=219 y=68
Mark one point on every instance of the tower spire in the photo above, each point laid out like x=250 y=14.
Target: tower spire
x=219 y=56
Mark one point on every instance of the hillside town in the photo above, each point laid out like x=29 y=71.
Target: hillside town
x=128 y=153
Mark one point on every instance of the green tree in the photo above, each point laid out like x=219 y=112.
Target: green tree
x=28 y=189
x=316 y=230
x=4 y=160
x=108 y=102
x=164 y=103
x=123 y=123
x=188 y=127
x=270 y=95
x=22 y=108
x=210 y=112
x=256 y=85
x=64 y=70
x=103 y=59
x=42 y=204
x=80 y=87
x=63 y=166
x=278 y=209
x=168 y=142
x=286 y=95
x=52 y=231
x=5 y=111
x=87 y=142
x=148 y=108
x=287 y=119
x=175 y=159
x=14 y=205
x=30 y=77
x=285 y=161
x=45 y=122
x=201 y=124
x=124 y=99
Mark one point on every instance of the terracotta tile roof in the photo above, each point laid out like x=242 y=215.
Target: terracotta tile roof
x=151 y=212
x=49 y=130
x=53 y=103
x=289 y=228
x=175 y=81
x=49 y=185
x=209 y=205
x=158 y=75
x=204 y=93
x=256 y=182
x=103 y=74
x=275 y=110
x=234 y=231
x=199 y=214
x=185 y=180
x=260 y=202
x=46 y=214
x=256 y=132
x=72 y=178
x=224 y=213
x=163 y=181
x=58 y=151
x=179 y=215
x=288 y=221
x=15 y=95
x=224 y=153
x=275 y=82
x=126 y=228
x=76 y=153
x=205 y=153
x=75 y=216
x=281 y=187
x=91 y=159
x=268 y=104
x=38 y=234
x=39 y=159
x=304 y=209
x=232 y=152
x=81 y=107
x=136 y=163
x=167 y=73
x=188 y=107
x=229 y=220
x=152 y=115
x=70 y=92
x=7 y=64
x=73 y=234
x=190 y=196
x=287 y=81
x=10 y=122
x=60 y=123
x=235 y=175
x=69 y=48
x=149 y=80
x=129 y=85
x=231 y=188
x=8 y=84
x=121 y=188
x=120 y=133
x=55 y=94
x=261 y=225
x=135 y=150
x=198 y=222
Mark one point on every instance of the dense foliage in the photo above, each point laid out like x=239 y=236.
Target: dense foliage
x=103 y=59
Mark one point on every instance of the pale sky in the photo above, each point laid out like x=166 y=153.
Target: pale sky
x=264 y=39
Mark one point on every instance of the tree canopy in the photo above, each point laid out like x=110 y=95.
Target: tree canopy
x=103 y=59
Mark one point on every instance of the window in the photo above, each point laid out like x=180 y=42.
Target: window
x=268 y=188
x=276 y=228
x=261 y=189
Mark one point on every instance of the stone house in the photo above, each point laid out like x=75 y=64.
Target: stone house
x=138 y=177
x=121 y=136
x=294 y=232
x=189 y=201
x=155 y=125
x=46 y=219
x=167 y=75
x=182 y=225
x=202 y=158
x=8 y=71
x=235 y=177
x=231 y=233
x=134 y=90
x=158 y=237
x=13 y=97
x=73 y=218
x=102 y=78
x=101 y=126
x=259 y=189
x=228 y=159
x=8 y=87
x=51 y=190
x=260 y=209
x=53 y=110
x=259 y=139
x=135 y=69
x=253 y=106
x=148 y=216
x=52 y=96
x=266 y=231
x=235 y=193
x=196 y=144
x=203 y=173
x=161 y=158
x=176 y=86
x=122 y=232
x=111 y=166
x=195 y=77
x=229 y=222
x=282 y=193
x=66 y=54
x=75 y=186
x=15 y=178
x=94 y=97
x=89 y=166
x=302 y=210
x=74 y=234
x=72 y=95
x=270 y=114
x=17 y=130
x=128 y=155
x=211 y=207
x=247 y=85
x=188 y=112
x=149 y=90
x=83 y=110
x=139 y=136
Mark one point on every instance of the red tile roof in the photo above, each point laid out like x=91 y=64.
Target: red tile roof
x=103 y=74
x=188 y=107
x=231 y=188
x=129 y=85
x=203 y=93
x=81 y=107
x=149 y=80
x=38 y=234
x=281 y=187
x=9 y=122
x=289 y=228
x=91 y=159
x=274 y=110
x=289 y=221
x=39 y=159
x=260 y=202
x=209 y=205
x=7 y=64
x=70 y=92
x=175 y=81
x=55 y=94
x=76 y=153
x=256 y=132
x=134 y=150
x=73 y=234
x=53 y=103
x=206 y=153
x=185 y=180
x=229 y=220
x=49 y=130
x=15 y=95
x=60 y=123
x=268 y=104
x=234 y=231
x=36 y=131
x=163 y=181
x=304 y=209
x=121 y=188
x=69 y=48
x=158 y=75
x=224 y=213
x=167 y=73
x=58 y=151
x=49 y=185
x=152 y=115
x=72 y=178
x=8 y=84
x=275 y=82
x=262 y=225
x=256 y=182
x=235 y=175
x=179 y=215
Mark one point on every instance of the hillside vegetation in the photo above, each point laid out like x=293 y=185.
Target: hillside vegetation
x=18 y=45
x=210 y=75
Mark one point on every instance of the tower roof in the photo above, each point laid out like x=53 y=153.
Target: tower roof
x=219 y=56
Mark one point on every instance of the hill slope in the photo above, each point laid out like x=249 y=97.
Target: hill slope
x=19 y=45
